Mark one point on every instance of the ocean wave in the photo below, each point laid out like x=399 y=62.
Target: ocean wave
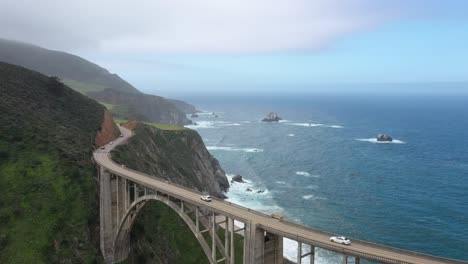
x=225 y=148
x=280 y=182
x=225 y=124
x=312 y=197
x=262 y=201
x=306 y=174
x=314 y=125
x=374 y=140
x=302 y=173
x=201 y=124
x=291 y=135
x=211 y=124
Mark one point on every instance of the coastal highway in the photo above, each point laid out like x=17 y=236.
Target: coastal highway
x=306 y=235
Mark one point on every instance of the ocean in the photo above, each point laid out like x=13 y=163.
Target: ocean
x=322 y=167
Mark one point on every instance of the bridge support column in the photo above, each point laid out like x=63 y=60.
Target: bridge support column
x=273 y=252
x=261 y=247
x=232 y=255
x=105 y=214
x=113 y=198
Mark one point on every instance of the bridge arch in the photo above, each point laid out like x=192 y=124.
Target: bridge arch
x=122 y=237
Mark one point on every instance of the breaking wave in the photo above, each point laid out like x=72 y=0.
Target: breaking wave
x=314 y=125
x=374 y=140
x=249 y=150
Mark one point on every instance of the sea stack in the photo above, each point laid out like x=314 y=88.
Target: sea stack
x=384 y=138
x=272 y=117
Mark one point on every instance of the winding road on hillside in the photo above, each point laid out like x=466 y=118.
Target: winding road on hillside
x=306 y=235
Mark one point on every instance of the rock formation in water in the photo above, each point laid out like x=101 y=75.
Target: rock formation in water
x=272 y=117
x=384 y=138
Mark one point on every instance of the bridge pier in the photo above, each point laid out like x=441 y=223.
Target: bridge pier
x=300 y=256
x=261 y=247
x=113 y=196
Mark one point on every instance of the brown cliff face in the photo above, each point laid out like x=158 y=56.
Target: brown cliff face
x=109 y=130
x=177 y=156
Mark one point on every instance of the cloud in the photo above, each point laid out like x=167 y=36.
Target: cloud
x=188 y=26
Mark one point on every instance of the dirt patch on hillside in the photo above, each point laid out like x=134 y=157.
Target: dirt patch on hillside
x=131 y=124
x=109 y=130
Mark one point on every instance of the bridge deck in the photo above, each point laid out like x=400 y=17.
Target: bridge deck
x=299 y=233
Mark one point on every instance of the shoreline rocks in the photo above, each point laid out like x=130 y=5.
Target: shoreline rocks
x=238 y=178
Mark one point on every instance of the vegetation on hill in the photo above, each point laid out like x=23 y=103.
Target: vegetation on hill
x=96 y=82
x=143 y=107
x=178 y=155
x=48 y=209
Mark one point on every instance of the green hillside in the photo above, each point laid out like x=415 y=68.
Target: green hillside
x=48 y=209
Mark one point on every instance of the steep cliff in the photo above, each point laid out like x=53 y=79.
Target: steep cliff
x=179 y=156
x=184 y=107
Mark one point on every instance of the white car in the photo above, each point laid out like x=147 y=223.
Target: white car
x=121 y=135
x=205 y=198
x=111 y=143
x=340 y=240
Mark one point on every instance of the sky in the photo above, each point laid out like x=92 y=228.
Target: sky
x=229 y=46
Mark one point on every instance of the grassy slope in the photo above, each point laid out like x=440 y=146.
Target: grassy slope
x=84 y=87
x=48 y=201
x=66 y=66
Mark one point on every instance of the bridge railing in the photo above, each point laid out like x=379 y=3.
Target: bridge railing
x=302 y=238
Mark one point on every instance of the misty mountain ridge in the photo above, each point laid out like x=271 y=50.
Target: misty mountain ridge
x=97 y=83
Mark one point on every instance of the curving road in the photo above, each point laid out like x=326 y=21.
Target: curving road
x=306 y=235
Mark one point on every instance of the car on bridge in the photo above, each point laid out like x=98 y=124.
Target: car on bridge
x=206 y=198
x=340 y=240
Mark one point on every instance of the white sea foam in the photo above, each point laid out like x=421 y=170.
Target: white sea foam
x=312 y=197
x=201 y=124
x=374 y=140
x=225 y=148
x=262 y=201
x=314 y=125
x=291 y=135
x=307 y=175
x=305 y=124
x=229 y=124
x=211 y=124
x=245 y=122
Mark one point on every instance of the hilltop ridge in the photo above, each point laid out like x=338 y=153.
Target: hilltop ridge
x=96 y=82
